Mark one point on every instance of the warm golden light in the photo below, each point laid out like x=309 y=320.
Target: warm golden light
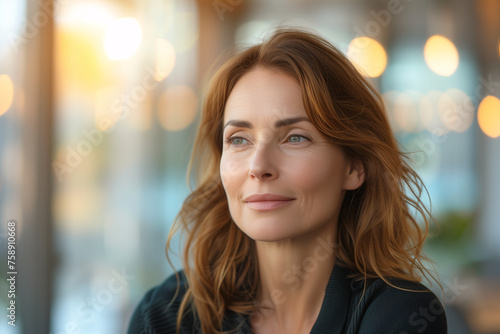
x=177 y=107
x=85 y=13
x=368 y=56
x=488 y=116
x=122 y=38
x=81 y=66
x=441 y=55
x=6 y=93
x=164 y=59
x=77 y=60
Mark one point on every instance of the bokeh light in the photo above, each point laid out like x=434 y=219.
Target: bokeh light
x=368 y=56
x=177 y=107
x=164 y=59
x=406 y=112
x=122 y=38
x=441 y=55
x=456 y=110
x=78 y=60
x=6 y=93
x=429 y=113
x=389 y=98
x=88 y=13
x=488 y=116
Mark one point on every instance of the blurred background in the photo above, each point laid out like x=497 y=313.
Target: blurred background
x=99 y=105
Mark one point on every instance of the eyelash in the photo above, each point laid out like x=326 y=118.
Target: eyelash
x=231 y=139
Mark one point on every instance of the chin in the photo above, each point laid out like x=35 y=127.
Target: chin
x=268 y=238
x=266 y=232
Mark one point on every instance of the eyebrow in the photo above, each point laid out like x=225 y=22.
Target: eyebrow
x=277 y=124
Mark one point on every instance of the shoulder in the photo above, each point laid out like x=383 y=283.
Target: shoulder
x=157 y=311
x=406 y=307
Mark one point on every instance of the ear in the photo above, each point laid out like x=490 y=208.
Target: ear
x=355 y=175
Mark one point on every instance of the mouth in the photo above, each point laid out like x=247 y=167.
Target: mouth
x=268 y=205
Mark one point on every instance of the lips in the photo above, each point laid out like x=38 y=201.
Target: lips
x=267 y=197
x=266 y=202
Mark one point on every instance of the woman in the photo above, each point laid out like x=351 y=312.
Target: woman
x=300 y=221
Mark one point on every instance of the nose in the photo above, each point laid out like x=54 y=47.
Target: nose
x=262 y=166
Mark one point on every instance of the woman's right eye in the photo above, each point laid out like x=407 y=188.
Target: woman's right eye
x=235 y=140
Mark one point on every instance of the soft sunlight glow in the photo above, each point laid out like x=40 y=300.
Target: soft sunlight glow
x=441 y=55
x=177 y=107
x=122 y=38
x=6 y=93
x=85 y=13
x=488 y=116
x=78 y=60
x=368 y=56
x=164 y=59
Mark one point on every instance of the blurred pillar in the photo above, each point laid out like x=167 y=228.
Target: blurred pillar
x=35 y=241
x=218 y=21
x=488 y=83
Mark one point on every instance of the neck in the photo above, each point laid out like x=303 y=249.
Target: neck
x=293 y=278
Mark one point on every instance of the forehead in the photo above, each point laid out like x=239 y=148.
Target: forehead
x=265 y=92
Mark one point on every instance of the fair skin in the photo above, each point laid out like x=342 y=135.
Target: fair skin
x=294 y=236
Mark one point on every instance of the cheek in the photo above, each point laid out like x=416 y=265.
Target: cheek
x=231 y=170
x=320 y=187
x=319 y=178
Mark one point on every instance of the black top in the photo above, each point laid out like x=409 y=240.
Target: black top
x=382 y=309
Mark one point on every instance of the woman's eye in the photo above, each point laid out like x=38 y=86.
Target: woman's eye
x=296 y=138
x=238 y=141
x=235 y=140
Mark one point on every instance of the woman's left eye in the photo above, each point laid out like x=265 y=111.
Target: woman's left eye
x=297 y=138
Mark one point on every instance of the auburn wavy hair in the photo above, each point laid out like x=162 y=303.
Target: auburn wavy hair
x=378 y=232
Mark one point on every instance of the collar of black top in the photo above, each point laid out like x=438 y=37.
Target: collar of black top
x=332 y=315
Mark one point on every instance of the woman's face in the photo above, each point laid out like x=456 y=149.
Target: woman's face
x=272 y=149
